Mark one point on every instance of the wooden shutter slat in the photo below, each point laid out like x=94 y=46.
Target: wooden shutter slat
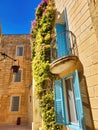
x=62 y=49
x=59 y=102
x=78 y=100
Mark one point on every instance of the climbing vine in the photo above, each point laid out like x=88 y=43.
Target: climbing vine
x=42 y=32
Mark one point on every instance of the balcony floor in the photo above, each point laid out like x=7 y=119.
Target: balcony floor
x=66 y=64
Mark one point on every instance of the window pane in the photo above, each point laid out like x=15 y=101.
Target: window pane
x=17 y=76
x=70 y=101
x=15 y=103
x=19 y=51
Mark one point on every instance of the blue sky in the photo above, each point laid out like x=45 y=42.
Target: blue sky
x=16 y=15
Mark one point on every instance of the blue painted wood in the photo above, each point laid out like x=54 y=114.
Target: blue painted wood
x=59 y=103
x=61 y=44
x=78 y=100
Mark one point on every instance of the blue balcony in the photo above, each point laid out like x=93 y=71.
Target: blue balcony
x=64 y=53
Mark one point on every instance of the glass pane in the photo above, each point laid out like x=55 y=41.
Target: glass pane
x=17 y=76
x=70 y=101
x=15 y=103
x=19 y=51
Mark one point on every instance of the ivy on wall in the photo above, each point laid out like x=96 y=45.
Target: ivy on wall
x=42 y=32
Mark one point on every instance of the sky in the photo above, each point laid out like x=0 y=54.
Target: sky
x=16 y=16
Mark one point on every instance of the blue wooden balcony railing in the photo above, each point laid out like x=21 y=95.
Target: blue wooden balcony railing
x=63 y=44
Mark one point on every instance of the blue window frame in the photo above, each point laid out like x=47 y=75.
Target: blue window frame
x=68 y=103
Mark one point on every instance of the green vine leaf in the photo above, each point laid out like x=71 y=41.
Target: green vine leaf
x=42 y=32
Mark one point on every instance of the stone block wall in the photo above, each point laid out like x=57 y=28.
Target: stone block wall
x=82 y=16
x=8 y=87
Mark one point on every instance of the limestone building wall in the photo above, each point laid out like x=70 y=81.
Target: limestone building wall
x=8 y=87
x=30 y=106
x=82 y=16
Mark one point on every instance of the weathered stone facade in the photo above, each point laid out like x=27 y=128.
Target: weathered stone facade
x=82 y=16
x=8 y=87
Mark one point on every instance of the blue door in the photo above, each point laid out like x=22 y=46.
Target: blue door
x=61 y=44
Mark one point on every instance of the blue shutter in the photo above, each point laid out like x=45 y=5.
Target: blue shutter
x=61 y=44
x=78 y=100
x=59 y=102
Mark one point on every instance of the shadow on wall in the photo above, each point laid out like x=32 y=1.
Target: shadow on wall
x=86 y=105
